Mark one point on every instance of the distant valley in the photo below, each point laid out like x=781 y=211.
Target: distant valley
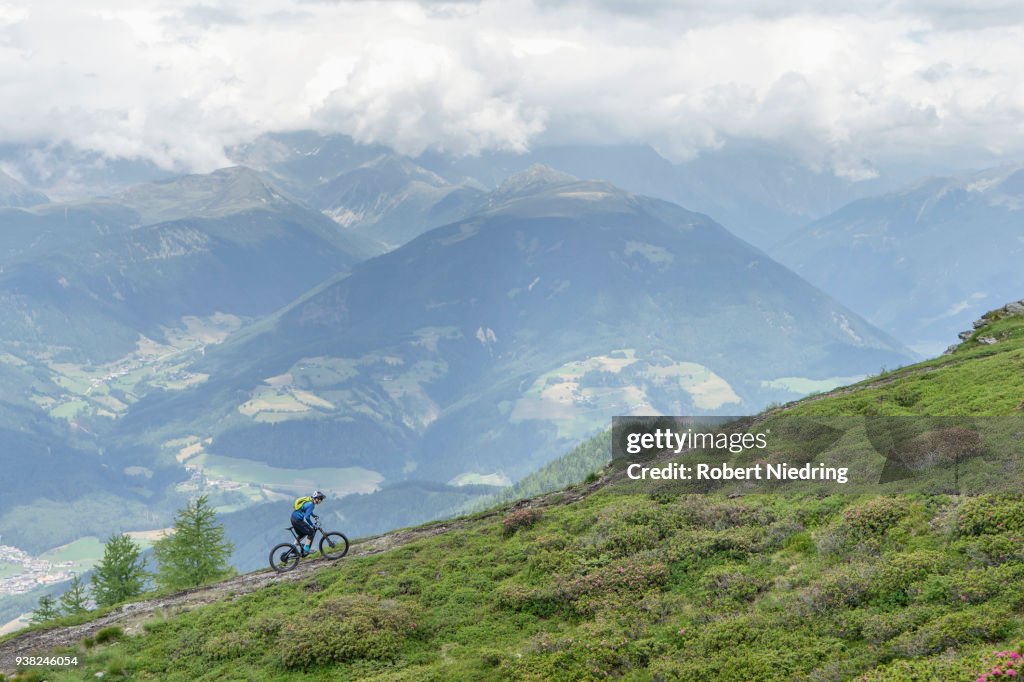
x=389 y=329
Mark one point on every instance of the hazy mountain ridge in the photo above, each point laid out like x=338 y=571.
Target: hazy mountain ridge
x=390 y=200
x=381 y=198
x=759 y=192
x=54 y=226
x=213 y=195
x=923 y=262
x=482 y=321
x=471 y=355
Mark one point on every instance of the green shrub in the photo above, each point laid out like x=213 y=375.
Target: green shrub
x=628 y=576
x=871 y=520
x=700 y=546
x=904 y=396
x=584 y=593
x=539 y=602
x=732 y=583
x=993 y=550
x=985 y=583
x=937 y=589
x=550 y=657
x=701 y=512
x=862 y=527
x=925 y=670
x=345 y=629
x=846 y=586
x=879 y=628
x=801 y=543
x=956 y=629
x=896 y=582
x=31 y=675
x=108 y=634
x=623 y=539
x=991 y=514
x=746 y=648
x=520 y=520
x=265 y=627
x=226 y=646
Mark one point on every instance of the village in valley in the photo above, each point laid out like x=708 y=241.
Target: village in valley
x=20 y=572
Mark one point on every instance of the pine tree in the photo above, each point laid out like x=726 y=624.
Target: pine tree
x=121 y=574
x=74 y=600
x=196 y=552
x=46 y=611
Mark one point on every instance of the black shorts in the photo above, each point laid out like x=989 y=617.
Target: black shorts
x=302 y=528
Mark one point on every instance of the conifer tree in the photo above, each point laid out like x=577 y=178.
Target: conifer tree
x=196 y=552
x=46 y=611
x=121 y=574
x=74 y=600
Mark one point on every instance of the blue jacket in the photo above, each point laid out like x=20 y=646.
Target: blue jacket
x=304 y=513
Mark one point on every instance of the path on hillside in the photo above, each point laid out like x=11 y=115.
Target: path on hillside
x=130 y=617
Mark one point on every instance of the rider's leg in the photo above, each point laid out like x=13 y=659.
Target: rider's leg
x=302 y=532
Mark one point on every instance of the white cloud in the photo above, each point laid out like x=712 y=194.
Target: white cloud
x=157 y=80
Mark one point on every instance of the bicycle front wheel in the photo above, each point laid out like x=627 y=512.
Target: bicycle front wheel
x=284 y=557
x=333 y=545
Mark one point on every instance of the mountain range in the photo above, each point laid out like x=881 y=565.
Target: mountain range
x=480 y=350
x=921 y=262
x=214 y=332
x=758 y=192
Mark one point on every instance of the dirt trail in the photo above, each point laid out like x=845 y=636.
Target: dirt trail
x=130 y=617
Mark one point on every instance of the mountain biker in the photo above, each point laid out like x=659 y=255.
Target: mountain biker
x=302 y=519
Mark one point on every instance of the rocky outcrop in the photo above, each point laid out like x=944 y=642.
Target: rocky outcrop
x=1014 y=309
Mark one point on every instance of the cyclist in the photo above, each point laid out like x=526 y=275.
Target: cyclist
x=302 y=519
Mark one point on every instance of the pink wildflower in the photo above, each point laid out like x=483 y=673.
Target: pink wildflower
x=1011 y=673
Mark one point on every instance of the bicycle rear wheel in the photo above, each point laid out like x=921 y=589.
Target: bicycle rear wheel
x=333 y=545
x=284 y=557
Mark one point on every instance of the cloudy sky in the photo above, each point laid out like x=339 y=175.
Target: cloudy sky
x=173 y=83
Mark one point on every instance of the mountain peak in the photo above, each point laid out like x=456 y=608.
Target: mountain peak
x=536 y=176
x=222 y=192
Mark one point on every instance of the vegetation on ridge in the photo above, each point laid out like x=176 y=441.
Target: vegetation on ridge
x=641 y=587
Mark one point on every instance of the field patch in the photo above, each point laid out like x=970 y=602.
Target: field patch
x=474 y=478
x=338 y=481
x=581 y=394
x=804 y=386
x=707 y=390
x=79 y=556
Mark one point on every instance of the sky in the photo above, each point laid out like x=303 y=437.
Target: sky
x=846 y=85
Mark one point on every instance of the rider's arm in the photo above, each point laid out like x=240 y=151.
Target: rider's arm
x=307 y=512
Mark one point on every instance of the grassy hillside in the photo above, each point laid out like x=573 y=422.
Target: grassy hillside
x=638 y=587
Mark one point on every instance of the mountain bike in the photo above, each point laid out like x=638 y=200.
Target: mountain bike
x=286 y=556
